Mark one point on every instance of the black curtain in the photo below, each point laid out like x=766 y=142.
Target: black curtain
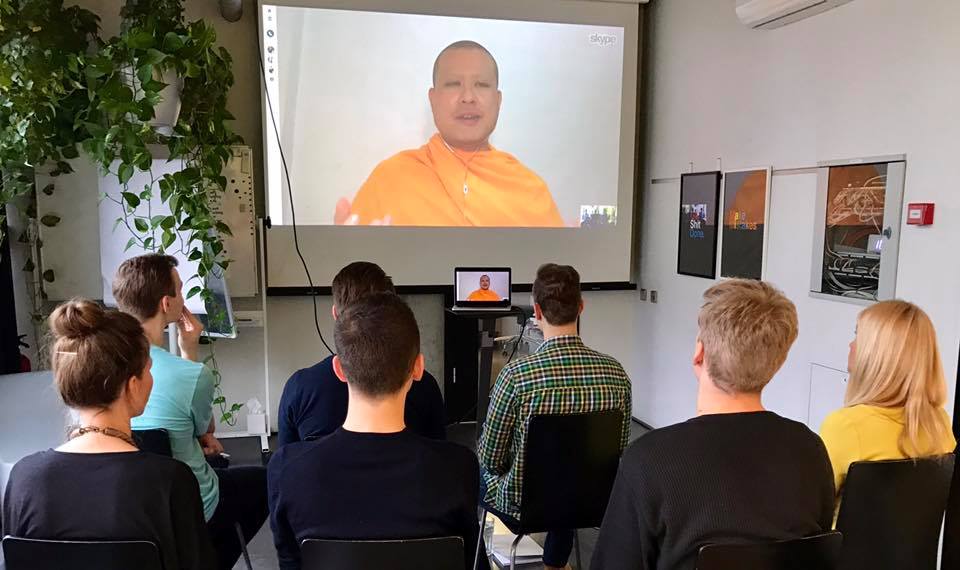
x=9 y=346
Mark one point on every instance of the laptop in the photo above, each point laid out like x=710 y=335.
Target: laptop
x=482 y=288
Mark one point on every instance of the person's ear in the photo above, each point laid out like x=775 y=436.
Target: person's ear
x=580 y=310
x=699 y=354
x=418 y=368
x=431 y=94
x=333 y=311
x=537 y=312
x=338 y=369
x=499 y=98
x=164 y=304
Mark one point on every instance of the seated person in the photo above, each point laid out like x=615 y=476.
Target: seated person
x=734 y=473
x=98 y=485
x=457 y=178
x=314 y=400
x=149 y=288
x=484 y=293
x=895 y=393
x=373 y=478
x=564 y=376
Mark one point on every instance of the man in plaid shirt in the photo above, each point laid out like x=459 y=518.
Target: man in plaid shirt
x=563 y=377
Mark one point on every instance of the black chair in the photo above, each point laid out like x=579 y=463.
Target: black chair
x=30 y=554
x=435 y=553
x=570 y=463
x=891 y=512
x=820 y=552
x=951 y=525
x=158 y=441
x=153 y=440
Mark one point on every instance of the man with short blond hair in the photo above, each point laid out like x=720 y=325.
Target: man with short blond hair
x=734 y=473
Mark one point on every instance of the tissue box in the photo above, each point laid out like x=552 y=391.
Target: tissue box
x=257 y=424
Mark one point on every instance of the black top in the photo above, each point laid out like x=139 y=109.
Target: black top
x=368 y=486
x=314 y=404
x=748 y=477
x=54 y=495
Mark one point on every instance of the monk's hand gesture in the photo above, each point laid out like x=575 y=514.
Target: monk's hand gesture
x=342 y=216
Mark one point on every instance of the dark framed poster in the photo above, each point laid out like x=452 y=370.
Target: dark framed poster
x=699 y=200
x=743 y=233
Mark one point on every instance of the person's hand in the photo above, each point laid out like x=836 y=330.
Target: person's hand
x=210 y=444
x=342 y=216
x=189 y=328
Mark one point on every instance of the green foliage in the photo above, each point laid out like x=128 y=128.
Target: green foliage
x=62 y=85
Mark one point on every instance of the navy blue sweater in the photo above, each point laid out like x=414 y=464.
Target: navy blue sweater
x=314 y=404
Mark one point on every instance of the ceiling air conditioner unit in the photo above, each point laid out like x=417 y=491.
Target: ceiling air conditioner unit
x=769 y=14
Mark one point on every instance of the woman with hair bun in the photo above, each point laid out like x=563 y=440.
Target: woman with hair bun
x=98 y=485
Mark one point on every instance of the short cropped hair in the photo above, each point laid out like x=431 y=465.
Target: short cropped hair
x=747 y=328
x=466 y=44
x=557 y=291
x=377 y=341
x=359 y=279
x=142 y=282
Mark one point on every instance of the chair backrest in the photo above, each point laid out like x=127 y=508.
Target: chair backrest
x=820 y=552
x=153 y=440
x=444 y=553
x=951 y=525
x=31 y=554
x=891 y=512
x=570 y=463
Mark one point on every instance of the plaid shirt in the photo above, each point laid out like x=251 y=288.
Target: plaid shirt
x=562 y=377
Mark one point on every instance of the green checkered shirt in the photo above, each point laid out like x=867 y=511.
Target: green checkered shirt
x=563 y=377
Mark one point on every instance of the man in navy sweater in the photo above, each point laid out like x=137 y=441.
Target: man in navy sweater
x=314 y=400
x=372 y=478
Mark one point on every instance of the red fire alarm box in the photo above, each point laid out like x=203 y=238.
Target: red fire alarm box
x=920 y=214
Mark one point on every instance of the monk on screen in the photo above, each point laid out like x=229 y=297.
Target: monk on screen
x=457 y=178
x=484 y=293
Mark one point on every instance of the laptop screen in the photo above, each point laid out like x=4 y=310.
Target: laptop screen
x=483 y=285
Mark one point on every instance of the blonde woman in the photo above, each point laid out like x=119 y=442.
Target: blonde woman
x=895 y=395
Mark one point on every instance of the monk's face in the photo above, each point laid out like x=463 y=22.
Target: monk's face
x=484 y=282
x=465 y=99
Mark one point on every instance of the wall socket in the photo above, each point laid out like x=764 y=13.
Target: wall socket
x=643 y=294
x=653 y=296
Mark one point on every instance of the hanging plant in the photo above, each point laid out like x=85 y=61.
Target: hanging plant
x=161 y=63
x=42 y=51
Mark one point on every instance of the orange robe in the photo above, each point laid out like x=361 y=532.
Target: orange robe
x=484 y=295
x=425 y=187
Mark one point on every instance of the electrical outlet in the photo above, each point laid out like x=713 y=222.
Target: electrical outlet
x=643 y=294
x=653 y=296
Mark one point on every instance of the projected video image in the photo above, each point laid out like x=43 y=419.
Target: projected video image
x=483 y=286
x=414 y=120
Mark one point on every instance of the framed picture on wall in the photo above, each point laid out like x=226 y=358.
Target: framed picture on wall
x=743 y=230
x=699 y=200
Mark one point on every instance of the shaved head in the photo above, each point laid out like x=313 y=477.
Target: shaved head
x=465 y=44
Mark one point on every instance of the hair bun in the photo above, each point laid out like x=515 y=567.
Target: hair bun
x=77 y=318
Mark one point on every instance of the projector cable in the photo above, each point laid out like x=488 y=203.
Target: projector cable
x=293 y=212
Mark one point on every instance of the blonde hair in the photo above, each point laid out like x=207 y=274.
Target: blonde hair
x=897 y=363
x=747 y=328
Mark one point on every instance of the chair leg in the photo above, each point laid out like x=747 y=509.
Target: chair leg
x=513 y=552
x=243 y=546
x=576 y=546
x=483 y=522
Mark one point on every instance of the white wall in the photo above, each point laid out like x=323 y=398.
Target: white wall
x=873 y=77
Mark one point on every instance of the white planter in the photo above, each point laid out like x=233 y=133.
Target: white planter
x=167 y=110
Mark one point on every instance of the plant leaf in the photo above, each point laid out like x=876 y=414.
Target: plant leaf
x=130 y=198
x=130 y=243
x=124 y=173
x=168 y=238
x=140 y=224
x=193 y=291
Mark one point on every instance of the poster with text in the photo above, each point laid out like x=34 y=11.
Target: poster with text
x=699 y=199
x=743 y=236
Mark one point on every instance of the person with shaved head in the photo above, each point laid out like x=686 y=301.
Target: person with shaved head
x=457 y=178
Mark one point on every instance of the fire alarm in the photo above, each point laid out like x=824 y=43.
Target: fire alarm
x=920 y=214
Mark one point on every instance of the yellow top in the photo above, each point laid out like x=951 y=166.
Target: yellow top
x=868 y=433
x=484 y=295
x=435 y=185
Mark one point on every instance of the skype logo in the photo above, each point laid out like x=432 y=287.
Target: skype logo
x=603 y=40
